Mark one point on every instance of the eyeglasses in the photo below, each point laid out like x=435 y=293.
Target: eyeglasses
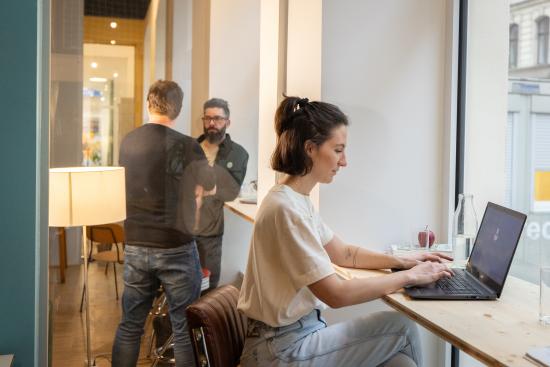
x=216 y=119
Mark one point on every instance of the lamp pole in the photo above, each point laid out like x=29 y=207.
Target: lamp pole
x=86 y=299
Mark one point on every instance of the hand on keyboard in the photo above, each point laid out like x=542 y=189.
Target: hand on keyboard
x=428 y=272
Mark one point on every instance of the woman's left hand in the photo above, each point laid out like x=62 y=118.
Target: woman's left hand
x=408 y=261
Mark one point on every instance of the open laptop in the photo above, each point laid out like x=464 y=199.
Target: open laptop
x=489 y=262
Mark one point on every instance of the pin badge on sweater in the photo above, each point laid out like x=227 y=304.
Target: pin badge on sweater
x=229 y=164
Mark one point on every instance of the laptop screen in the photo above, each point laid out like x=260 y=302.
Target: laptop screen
x=496 y=243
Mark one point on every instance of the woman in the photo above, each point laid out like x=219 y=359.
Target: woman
x=290 y=275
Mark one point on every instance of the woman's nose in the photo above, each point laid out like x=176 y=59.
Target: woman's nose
x=343 y=162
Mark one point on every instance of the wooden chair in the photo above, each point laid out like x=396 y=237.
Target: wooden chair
x=108 y=235
x=217 y=328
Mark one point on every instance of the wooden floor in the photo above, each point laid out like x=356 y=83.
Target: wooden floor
x=68 y=348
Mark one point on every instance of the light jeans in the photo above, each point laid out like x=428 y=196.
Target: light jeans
x=382 y=338
x=178 y=270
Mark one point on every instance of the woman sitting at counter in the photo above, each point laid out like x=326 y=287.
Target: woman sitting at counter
x=289 y=275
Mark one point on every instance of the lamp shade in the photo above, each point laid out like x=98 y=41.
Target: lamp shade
x=86 y=196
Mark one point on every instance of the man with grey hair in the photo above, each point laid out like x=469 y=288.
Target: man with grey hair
x=229 y=160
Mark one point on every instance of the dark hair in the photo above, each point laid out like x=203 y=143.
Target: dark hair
x=296 y=121
x=217 y=103
x=165 y=97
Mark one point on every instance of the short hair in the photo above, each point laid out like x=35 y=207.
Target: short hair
x=296 y=121
x=165 y=97
x=217 y=103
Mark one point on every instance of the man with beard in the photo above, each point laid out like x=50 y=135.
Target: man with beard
x=229 y=160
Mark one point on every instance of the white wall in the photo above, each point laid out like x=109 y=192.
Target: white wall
x=181 y=59
x=154 y=48
x=146 y=67
x=160 y=46
x=486 y=102
x=234 y=69
x=385 y=65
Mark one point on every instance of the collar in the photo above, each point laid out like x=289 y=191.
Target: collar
x=226 y=143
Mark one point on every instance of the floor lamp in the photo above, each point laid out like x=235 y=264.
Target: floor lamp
x=86 y=196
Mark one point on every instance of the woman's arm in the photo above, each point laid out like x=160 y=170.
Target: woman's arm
x=352 y=256
x=337 y=292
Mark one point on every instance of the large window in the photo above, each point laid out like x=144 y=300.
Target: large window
x=527 y=146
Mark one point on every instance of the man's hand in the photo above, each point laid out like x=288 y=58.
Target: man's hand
x=427 y=272
x=409 y=261
x=209 y=193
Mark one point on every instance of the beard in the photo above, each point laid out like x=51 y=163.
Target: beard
x=213 y=135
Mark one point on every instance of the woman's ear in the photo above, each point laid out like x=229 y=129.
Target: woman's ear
x=309 y=147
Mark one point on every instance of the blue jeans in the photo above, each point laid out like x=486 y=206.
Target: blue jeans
x=383 y=338
x=178 y=270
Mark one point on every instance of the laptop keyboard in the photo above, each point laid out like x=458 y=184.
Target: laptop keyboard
x=458 y=284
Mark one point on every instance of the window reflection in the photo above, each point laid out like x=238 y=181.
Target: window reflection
x=528 y=131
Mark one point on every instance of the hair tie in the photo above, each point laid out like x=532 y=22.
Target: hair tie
x=302 y=102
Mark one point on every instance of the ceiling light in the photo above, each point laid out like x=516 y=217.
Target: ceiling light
x=115 y=75
x=102 y=99
x=97 y=80
x=113 y=25
x=94 y=65
x=113 y=42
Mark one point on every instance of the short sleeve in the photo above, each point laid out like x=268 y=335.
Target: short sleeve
x=326 y=233
x=303 y=257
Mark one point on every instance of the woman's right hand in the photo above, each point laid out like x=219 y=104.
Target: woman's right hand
x=427 y=272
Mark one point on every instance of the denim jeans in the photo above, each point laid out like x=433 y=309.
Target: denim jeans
x=178 y=270
x=210 y=253
x=373 y=340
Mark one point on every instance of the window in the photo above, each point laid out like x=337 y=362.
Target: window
x=542 y=39
x=527 y=145
x=513 y=57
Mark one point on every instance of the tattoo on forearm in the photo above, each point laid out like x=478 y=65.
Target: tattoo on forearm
x=355 y=257
x=348 y=253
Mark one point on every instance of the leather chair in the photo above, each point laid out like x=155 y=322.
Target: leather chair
x=217 y=329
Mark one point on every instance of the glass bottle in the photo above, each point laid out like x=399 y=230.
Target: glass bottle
x=464 y=229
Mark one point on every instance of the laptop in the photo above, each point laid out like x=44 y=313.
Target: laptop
x=489 y=263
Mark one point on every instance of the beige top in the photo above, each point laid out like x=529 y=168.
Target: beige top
x=286 y=255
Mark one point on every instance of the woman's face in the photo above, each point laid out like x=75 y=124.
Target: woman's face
x=329 y=156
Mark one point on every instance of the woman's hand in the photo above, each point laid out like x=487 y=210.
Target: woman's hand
x=411 y=260
x=427 y=272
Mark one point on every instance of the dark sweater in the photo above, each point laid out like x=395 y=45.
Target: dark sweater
x=162 y=169
x=230 y=166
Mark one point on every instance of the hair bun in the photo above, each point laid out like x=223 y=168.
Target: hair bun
x=302 y=102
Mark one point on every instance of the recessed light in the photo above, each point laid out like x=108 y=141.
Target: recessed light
x=113 y=25
x=113 y=42
x=96 y=79
x=94 y=65
x=115 y=75
x=102 y=99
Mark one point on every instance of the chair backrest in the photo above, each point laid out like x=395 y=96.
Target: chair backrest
x=106 y=233
x=217 y=328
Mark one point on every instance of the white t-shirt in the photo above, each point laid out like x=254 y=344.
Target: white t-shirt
x=286 y=255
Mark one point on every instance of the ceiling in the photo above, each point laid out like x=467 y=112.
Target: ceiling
x=130 y=9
